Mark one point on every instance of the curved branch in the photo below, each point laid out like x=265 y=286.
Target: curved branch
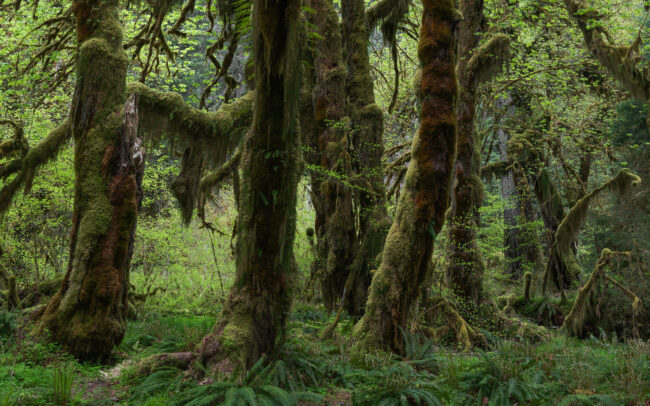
x=620 y=61
x=208 y=136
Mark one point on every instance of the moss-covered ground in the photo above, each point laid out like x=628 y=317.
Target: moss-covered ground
x=310 y=371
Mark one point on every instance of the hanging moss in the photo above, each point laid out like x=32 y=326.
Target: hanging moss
x=205 y=137
x=528 y=281
x=488 y=60
x=34 y=158
x=624 y=63
x=574 y=322
x=562 y=255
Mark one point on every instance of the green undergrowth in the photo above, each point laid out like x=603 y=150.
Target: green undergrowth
x=309 y=371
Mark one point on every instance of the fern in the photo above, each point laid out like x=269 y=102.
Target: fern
x=502 y=383
x=257 y=387
x=417 y=350
x=62 y=380
x=399 y=384
x=585 y=400
x=164 y=379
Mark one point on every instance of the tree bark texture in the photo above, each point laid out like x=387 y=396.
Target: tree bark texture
x=88 y=313
x=421 y=208
x=257 y=306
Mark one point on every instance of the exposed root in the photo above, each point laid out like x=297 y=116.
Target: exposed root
x=181 y=360
x=467 y=336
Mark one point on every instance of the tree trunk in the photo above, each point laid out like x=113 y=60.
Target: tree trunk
x=337 y=237
x=257 y=306
x=88 y=314
x=522 y=249
x=367 y=124
x=513 y=255
x=422 y=205
x=465 y=272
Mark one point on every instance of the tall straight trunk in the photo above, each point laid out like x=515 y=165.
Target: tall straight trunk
x=512 y=239
x=521 y=243
x=257 y=306
x=421 y=207
x=367 y=126
x=337 y=240
x=88 y=313
x=465 y=272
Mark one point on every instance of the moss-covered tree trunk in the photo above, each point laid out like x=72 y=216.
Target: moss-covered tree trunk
x=465 y=271
x=257 y=306
x=88 y=314
x=522 y=249
x=421 y=208
x=367 y=126
x=337 y=239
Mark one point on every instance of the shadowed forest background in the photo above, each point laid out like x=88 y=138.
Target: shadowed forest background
x=324 y=202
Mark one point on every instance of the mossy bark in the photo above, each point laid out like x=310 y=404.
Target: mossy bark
x=421 y=208
x=88 y=313
x=255 y=312
x=465 y=271
x=366 y=144
x=521 y=243
x=336 y=234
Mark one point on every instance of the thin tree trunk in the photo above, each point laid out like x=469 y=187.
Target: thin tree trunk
x=88 y=314
x=422 y=205
x=257 y=306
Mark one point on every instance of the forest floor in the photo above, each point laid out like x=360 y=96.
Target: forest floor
x=310 y=371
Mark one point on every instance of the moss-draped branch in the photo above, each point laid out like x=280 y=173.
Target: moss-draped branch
x=574 y=322
x=621 y=61
x=31 y=159
x=208 y=137
x=168 y=114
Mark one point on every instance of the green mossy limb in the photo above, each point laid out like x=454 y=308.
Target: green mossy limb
x=421 y=207
x=569 y=228
x=207 y=137
x=622 y=62
x=573 y=324
x=35 y=157
x=167 y=115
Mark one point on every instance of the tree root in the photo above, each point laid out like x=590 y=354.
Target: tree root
x=180 y=360
x=467 y=336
